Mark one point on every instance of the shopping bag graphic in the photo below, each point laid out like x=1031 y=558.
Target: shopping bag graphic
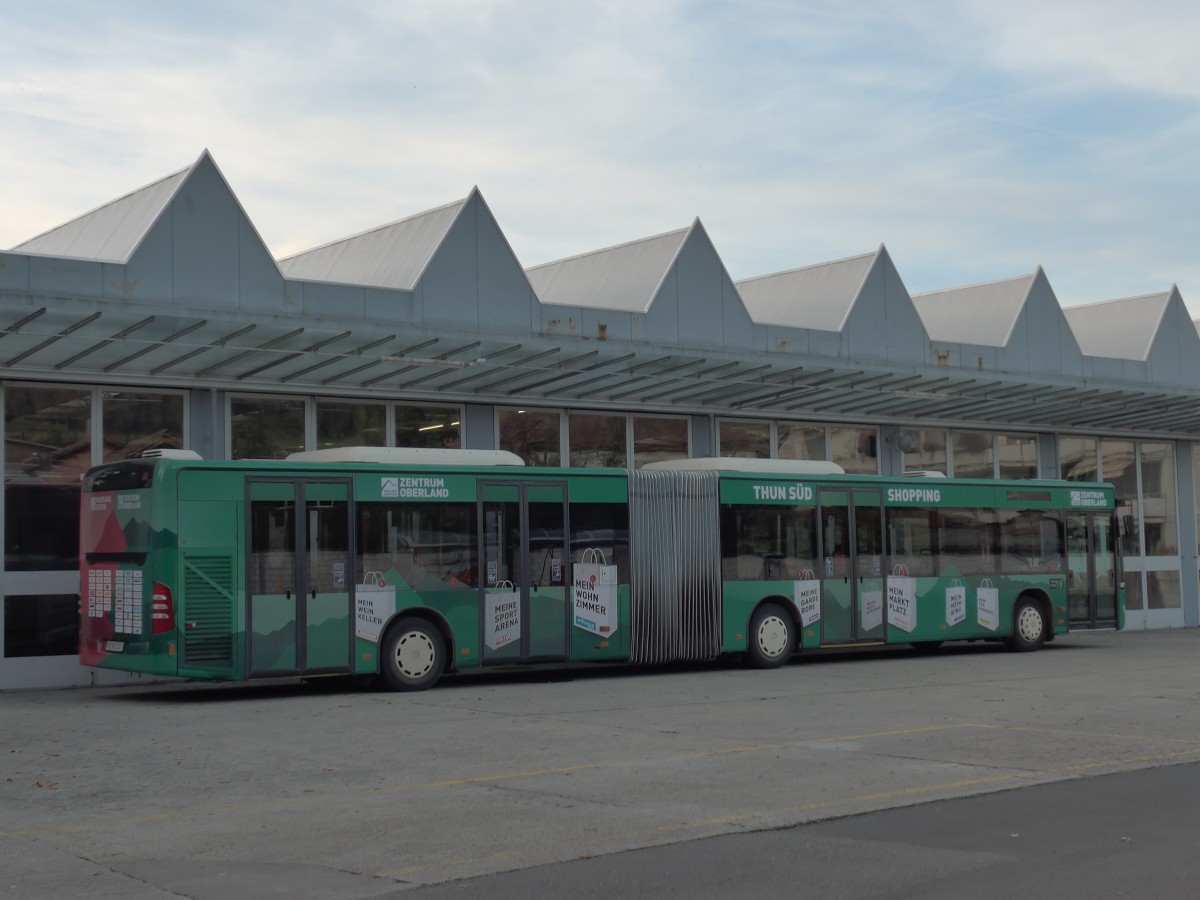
x=987 y=600
x=374 y=601
x=956 y=603
x=902 y=600
x=594 y=586
x=503 y=611
x=807 y=595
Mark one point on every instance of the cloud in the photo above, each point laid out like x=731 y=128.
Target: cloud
x=976 y=141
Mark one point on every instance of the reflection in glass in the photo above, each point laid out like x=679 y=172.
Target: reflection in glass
x=930 y=454
x=1018 y=455
x=1078 y=459
x=655 y=440
x=531 y=434
x=1196 y=488
x=973 y=454
x=796 y=440
x=265 y=428
x=1159 y=521
x=1133 y=591
x=596 y=441
x=1162 y=590
x=45 y=625
x=855 y=449
x=1117 y=468
x=47 y=448
x=135 y=422
x=748 y=439
x=350 y=424
x=429 y=426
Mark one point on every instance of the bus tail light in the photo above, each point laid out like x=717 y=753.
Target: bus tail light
x=162 y=609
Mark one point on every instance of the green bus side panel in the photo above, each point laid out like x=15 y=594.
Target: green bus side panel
x=548 y=621
x=949 y=607
x=328 y=638
x=273 y=642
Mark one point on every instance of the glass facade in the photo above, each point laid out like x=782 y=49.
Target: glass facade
x=855 y=449
x=796 y=440
x=930 y=452
x=351 y=424
x=1017 y=455
x=1159 y=517
x=973 y=454
x=749 y=439
x=47 y=448
x=1078 y=458
x=656 y=440
x=596 y=441
x=48 y=445
x=429 y=426
x=531 y=434
x=135 y=422
x=265 y=427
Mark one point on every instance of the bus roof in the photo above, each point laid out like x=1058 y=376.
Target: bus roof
x=750 y=464
x=410 y=456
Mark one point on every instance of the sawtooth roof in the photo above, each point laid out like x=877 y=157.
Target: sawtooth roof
x=819 y=297
x=625 y=277
x=982 y=314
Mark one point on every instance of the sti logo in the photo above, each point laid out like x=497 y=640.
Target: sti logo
x=389 y=486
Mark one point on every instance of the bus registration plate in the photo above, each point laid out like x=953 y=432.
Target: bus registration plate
x=115 y=646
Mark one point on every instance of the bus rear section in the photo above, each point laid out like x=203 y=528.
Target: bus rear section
x=127 y=615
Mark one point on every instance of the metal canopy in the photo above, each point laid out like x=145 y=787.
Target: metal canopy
x=59 y=340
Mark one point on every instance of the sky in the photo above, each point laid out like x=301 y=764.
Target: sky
x=976 y=140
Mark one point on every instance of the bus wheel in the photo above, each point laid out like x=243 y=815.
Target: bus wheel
x=772 y=637
x=413 y=655
x=1029 y=625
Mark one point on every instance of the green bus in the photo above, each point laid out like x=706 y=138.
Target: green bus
x=405 y=564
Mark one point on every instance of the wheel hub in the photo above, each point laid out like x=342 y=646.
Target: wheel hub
x=772 y=636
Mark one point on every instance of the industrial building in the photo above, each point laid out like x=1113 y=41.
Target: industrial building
x=161 y=319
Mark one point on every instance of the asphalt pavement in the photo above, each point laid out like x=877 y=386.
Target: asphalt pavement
x=1071 y=771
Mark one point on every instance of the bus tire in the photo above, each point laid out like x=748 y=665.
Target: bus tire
x=1029 y=625
x=412 y=656
x=772 y=637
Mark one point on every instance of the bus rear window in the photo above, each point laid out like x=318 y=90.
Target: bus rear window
x=131 y=474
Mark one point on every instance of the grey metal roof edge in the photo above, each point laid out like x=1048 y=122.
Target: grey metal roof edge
x=978 y=284
x=94 y=210
x=350 y=237
x=1087 y=308
x=458 y=214
x=691 y=229
x=237 y=201
x=862 y=284
x=653 y=237
x=831 y=262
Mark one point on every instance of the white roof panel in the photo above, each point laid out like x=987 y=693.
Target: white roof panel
x=980 y=314
x=392 y=256
x=1118 y=329
x=818 y=297
x=112 y=232
x=625 y=277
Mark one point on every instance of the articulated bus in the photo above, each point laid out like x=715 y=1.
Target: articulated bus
x=405 y=564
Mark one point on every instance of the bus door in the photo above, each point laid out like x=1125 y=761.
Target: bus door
x=1093 y=577
x=299 y=610
x=524 y=591
x=851 y=566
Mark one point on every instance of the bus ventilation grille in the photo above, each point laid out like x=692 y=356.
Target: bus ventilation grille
x=207 y=612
